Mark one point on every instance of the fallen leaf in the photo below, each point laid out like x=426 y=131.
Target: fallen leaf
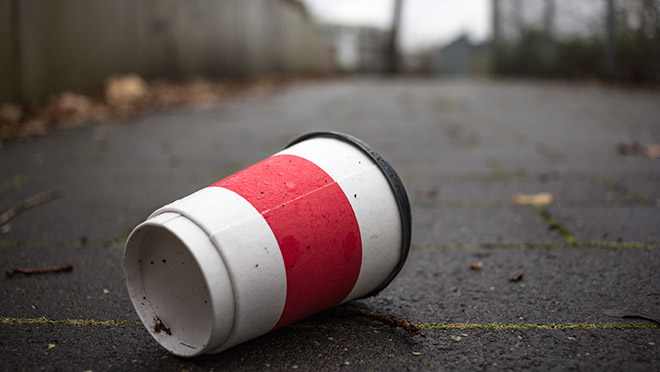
x=51 y=346
x=543 y=198
x=476 y=265
x=624 y=313
x=124 y=88
x=516 y=276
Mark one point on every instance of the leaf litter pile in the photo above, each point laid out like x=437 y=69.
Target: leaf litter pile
x=124 y=97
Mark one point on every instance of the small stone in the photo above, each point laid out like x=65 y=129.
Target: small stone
x=455 y=338
x=476 y=265
x=105 y=291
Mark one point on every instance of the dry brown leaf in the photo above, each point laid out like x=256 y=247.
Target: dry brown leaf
x=68 y=109
x=10 y=113
x=625 y=313
x=543 y=198
x=122 y=89
x=476 y=265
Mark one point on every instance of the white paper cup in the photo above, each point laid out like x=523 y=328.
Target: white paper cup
x=323 y=222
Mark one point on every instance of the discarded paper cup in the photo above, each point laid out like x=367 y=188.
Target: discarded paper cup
x=323 y=222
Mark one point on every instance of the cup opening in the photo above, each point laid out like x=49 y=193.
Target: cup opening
x=168 y=288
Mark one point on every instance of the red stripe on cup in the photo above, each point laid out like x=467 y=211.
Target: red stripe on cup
x=314 y=225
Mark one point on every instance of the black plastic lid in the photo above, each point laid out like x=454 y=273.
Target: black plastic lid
x=397 y=188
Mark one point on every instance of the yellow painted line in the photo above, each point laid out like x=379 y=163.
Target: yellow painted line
x=424 y=326
x=549 y=245
x=78 y=322
x=624 y=190
x=14 y=182
x=532 y=326
x=499 y=326
x=115 y=242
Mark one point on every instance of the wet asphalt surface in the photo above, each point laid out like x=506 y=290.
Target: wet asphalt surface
x=462 y=149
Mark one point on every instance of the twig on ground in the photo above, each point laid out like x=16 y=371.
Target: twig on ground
x=28 y=203
x=390 y=320
x=38 y=270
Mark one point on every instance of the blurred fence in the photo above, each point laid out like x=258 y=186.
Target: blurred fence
x=53 y=45
x=614 y=39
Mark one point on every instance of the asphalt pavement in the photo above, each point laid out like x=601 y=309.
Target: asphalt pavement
x=463 y=150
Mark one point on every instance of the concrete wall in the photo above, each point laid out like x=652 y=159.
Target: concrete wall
x=48 y=46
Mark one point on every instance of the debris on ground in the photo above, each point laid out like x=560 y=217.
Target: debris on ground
x=38 y=270
x=28 y=203
x=122 y=89
x=632 y=148
x=651 y=150
x=516 y=276
x=426 y=192
x=70 y=110
x=416 y=353
x=624 y=313
x=476 y=265
x=387 y=319
x=540 y=199
x=124 y=97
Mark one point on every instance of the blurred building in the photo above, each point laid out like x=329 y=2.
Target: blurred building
x=358 y=49
x=460 y=57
